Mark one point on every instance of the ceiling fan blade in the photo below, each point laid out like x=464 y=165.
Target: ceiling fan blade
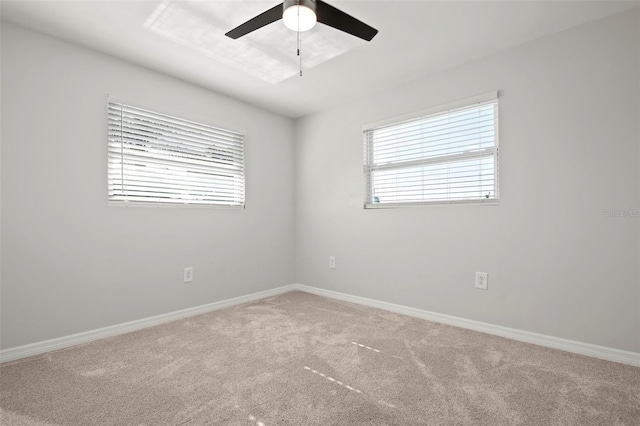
x=265 y=18
x=339 y=20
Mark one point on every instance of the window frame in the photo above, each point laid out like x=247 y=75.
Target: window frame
x=369 y=166
x=122 y=199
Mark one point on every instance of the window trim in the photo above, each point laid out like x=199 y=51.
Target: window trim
x=174 y=115
x=443 y=108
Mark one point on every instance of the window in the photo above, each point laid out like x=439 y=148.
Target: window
x=446 y=155
x=161 y=160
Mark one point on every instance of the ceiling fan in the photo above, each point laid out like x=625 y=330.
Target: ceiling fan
x=302 y=15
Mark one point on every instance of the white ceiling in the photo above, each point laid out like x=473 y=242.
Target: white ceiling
x=415 y=38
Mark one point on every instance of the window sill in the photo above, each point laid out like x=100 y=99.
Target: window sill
x=373 y=206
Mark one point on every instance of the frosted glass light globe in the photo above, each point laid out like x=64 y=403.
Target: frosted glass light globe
x=299 y=14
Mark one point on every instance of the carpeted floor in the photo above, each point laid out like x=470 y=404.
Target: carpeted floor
x=300 y=359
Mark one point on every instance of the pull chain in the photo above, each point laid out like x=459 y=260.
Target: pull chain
x=299 y=44
x=300 y=51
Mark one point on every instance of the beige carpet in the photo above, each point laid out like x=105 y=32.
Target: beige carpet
x=300 y=359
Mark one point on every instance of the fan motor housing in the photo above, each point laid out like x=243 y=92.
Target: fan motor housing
x=311 y=4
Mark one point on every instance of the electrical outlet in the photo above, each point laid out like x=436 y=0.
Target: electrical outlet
x=332 y=262
x=188 y=274
x=481 y=280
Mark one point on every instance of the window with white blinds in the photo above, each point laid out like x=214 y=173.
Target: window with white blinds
x=157 y=159
x=449 y=155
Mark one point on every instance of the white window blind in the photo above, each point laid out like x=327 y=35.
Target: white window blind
x=162 y=160
x=448 y=156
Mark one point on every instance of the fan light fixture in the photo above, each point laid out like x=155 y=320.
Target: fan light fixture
x=299 y=15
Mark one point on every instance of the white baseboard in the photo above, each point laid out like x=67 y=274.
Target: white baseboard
x=18 y=352
x=602 y=352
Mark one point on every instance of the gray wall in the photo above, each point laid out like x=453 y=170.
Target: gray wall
x=71 y=263
x=557 y=264
x=569 y=149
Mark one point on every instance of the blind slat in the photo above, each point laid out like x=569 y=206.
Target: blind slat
x=156 y=130
x=157 y=157
x=185 y=124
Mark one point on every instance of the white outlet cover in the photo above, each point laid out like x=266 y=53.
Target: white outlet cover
x=482 y=280
x=188 y=275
